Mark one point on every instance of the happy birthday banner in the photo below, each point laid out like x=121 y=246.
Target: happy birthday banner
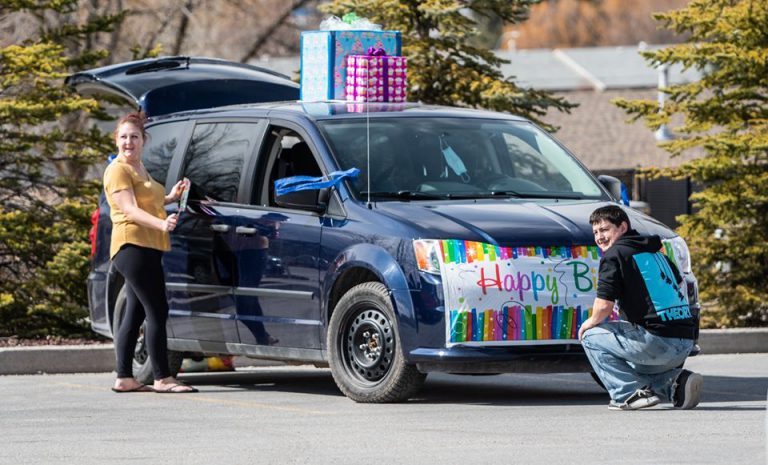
x=516 y=295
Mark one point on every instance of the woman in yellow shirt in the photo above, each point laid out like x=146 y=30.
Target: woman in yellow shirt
x=140 y=230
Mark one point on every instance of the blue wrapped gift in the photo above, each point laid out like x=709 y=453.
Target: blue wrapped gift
x=323 y=58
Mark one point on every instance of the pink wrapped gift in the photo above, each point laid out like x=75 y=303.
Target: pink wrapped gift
x=374 y=108
x=376 y=77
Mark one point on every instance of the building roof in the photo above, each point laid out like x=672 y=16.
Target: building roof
x=596 y=68
x=597 y=132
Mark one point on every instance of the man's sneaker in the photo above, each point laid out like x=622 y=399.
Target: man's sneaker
x=642 y=398
x=686 y=391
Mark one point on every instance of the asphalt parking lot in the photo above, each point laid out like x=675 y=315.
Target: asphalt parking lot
x=277 y=415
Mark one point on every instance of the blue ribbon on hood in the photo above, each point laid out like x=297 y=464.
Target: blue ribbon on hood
x=304 y=183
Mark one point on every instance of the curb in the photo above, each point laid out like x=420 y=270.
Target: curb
x=733 y=341
x=97 y=358
x=100 y=358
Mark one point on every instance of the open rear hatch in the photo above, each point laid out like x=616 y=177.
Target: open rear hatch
x=160 y=86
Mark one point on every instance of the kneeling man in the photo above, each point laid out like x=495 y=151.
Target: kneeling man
x=638 y=358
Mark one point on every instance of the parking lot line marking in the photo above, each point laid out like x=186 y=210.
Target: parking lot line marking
x=211 y=400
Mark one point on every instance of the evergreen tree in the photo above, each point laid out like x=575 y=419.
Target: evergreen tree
x=726 y=115
x=45 y=203
x=443 y=66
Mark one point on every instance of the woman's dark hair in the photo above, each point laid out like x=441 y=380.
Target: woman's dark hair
x=610 y=213
x=136 y=118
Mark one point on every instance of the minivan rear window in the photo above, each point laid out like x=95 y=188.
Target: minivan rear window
x=159 y=148
x=456 y=157
x=215 y=158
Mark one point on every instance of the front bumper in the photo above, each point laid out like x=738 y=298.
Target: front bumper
x=566 y=358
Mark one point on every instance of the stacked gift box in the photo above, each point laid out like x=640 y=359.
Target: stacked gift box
x=325 y=63
x=376 y=77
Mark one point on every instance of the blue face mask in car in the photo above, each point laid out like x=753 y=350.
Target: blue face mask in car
x=453 y=160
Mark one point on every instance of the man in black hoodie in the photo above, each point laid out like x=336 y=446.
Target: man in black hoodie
x=638 y=357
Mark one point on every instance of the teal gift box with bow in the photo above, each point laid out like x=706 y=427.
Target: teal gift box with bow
x=324 y=58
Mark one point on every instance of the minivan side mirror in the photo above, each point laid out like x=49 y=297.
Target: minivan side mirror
x=615 y=188
x=315 y=200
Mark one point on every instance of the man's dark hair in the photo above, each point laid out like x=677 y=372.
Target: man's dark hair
x=610 y=213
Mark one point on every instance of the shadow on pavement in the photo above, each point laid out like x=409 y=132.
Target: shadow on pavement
x=511 y=389
x=734 y=389
x=318 y=382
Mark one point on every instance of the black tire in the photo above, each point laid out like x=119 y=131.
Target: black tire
x=142 y=365
x=364 y=349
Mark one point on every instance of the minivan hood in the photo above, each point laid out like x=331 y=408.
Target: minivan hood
x=160 y=86
x=511 y=223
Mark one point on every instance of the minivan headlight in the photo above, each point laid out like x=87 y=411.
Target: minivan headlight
x=677 y=250
x=427 y=255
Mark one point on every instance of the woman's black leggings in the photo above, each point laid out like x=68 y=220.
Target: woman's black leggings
x=142 y=269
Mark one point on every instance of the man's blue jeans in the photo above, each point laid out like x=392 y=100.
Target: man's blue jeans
x=627 y=357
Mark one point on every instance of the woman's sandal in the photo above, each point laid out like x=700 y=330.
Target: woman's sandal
x=139 y=388
x=172 y=389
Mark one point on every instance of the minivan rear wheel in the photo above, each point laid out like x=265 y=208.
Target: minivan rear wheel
x=365 y=353
x=142 y=365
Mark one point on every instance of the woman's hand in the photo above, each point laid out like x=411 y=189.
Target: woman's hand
x=126 y=201
x=169 y=224
x=176 y=191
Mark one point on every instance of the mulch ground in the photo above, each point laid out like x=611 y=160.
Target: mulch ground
x=13 y=341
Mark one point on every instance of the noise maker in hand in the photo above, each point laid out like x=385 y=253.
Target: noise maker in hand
x=184 y=195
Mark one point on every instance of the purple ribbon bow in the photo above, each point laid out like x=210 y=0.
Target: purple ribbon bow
x=377 y=52
x=380 y=52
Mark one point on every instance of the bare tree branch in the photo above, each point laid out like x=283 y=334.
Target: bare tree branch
x=181 y=33
x=267 y=33
x=152 y=39
x=115 y=37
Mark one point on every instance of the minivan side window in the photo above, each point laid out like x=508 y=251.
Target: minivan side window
x=215 y=159
x=162 y=143
x=288 y=155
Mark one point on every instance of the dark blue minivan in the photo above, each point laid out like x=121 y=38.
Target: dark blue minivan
x=386 y=241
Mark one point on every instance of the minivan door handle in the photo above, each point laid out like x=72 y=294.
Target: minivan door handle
x=245 y=230
x=222 y=228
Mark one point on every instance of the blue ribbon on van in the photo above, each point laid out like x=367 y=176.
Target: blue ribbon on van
x=304 y=183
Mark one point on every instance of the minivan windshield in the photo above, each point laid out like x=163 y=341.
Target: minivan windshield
x=433 y=158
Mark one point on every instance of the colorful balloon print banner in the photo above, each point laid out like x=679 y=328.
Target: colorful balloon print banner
x=516 y=295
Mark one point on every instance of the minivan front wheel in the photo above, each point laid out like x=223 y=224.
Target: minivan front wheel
x=364 y=349
x=142 y=365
